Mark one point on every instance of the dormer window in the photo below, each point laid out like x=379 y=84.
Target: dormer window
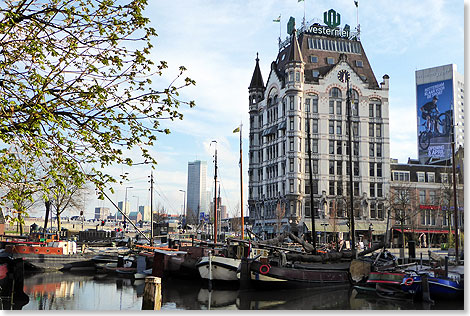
x=330 y=60
x=314 y=59
x=315 y=73
x=359 y=63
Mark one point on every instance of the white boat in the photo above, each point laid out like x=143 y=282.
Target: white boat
x=223 y=269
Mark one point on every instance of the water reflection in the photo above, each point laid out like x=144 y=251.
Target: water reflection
x=65 y=291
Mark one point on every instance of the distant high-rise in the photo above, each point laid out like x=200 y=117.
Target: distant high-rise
x=145 y=211
x=101 y=213
x=196 y=190
x=125 y=209
x=440 y=104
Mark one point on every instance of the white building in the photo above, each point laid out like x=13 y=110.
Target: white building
x=445 y=86
x=145 y=211
x=101 y=213
x=310 y=75
x=123 y=208
x=196 y=190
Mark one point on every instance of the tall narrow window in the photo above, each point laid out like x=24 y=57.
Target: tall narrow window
x=379 y=150
x=355 y=103
x=378 y=130
x=379 y=190
x=315 y=126
x=371 y=129
x=331 y=127
x=335 y=98
x=379 y=170
x=339 y=147
x=331 y=147
x=315 y=104
x=378 y=110
x=291 y=102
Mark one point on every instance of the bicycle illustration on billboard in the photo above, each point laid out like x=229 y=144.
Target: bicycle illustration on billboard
x=439 y=126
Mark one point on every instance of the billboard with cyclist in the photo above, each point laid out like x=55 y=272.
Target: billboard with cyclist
x=435 y=104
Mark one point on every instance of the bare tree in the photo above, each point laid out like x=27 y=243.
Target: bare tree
x=280 y=213
x=67 y=197
x=402 y=207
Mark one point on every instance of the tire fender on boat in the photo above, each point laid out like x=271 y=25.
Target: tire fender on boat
x=264 y=269
x=409 y=281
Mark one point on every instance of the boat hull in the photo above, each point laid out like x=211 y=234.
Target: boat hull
x=223 y=269
x=439 y=288
x=317 y=275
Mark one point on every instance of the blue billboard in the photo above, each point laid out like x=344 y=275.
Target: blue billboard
x=434 y=108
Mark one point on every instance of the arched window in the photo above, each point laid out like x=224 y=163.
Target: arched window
x=311 y=103
x=335 y=101
x=375 y=108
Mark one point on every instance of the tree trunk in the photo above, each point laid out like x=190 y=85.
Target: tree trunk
x=20 y=221
x=58 y=221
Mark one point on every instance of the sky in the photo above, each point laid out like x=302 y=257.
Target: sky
x=217 y=41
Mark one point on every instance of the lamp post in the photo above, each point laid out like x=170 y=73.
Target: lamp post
x=184 y=203
x=125 y=206
x=324 y=230
x=137 y=208
x=370 y=234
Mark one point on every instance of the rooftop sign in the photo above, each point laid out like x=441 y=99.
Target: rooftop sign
x=332 y=19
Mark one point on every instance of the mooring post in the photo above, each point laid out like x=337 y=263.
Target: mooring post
x=425 y=293
x=158 y=264
x=447 y=266
x=210 y=272
x=152 y=299
x=245 y=278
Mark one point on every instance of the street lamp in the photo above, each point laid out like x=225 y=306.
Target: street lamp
x=184 y=202
x=370 y=231
x=125 y=206
x=137 y=208
x=324 y=229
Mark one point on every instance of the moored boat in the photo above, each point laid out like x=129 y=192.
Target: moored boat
x=223 y=269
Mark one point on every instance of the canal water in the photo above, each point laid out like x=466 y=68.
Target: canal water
x=71 y=291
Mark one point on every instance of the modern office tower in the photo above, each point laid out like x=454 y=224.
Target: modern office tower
x=101 y=213
x=196 y=190
x=126 y=209
x=145 y=211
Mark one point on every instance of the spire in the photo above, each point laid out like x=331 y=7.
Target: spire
x=257 y=79
x=294 y=52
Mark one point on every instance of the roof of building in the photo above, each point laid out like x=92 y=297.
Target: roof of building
x=257 y=78
x=295 y=54
x=356 y=60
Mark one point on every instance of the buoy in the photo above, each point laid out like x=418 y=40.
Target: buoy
x=409 y=281
x=264 y=269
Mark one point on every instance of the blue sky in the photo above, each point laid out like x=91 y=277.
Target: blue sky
x=218 y=40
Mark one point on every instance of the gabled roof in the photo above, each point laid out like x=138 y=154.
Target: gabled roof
x=257 y=78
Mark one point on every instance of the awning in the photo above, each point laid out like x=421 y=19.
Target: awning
x=431 y=231
x=330 y=228
x=269 y=131
x=282 y=125
x=377 y=228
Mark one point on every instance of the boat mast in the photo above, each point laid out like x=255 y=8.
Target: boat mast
x=456 y=209
x=215 y=194
x=151 y=208
x=312 y=214
x=351 y=195
x=241 y=182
